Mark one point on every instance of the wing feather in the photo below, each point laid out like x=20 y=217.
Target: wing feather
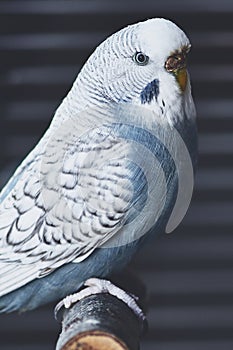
x=62 y=210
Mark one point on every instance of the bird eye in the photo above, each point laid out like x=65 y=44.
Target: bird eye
x=140 y=58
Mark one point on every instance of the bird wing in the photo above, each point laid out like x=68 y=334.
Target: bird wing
x=67 y=201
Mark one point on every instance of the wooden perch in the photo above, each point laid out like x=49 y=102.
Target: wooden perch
x=100 y=322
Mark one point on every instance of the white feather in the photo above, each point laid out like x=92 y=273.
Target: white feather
x=57 y=207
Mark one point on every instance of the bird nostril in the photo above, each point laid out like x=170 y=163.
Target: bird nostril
x=175 y=62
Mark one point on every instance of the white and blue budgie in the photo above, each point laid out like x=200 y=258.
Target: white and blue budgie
x=114 y=167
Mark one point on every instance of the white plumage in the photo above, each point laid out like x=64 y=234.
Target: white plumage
x=76 y=189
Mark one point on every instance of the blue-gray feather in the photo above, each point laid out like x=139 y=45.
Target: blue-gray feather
x=150 y=92
x=120 y=108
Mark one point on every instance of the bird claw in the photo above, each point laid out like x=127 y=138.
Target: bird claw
x=66 y=302
x=98 y=286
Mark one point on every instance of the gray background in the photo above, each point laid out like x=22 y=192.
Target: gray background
x=188 y=273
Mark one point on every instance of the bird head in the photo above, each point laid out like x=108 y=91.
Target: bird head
x=144 y=63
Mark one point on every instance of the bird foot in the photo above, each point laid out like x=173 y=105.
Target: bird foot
x=98 y=286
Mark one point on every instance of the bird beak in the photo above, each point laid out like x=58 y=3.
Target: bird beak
x=176 y=64
x=182 y=78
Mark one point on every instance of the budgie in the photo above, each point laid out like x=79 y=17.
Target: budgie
x=114 y=168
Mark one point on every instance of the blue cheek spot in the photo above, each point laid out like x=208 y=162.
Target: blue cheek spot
x=150 y=92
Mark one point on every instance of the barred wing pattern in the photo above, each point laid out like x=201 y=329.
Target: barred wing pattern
x=69 y=200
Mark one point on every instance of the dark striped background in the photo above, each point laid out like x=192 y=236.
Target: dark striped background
x=189 y=274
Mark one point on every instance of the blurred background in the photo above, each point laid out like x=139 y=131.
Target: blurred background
x=189 y=274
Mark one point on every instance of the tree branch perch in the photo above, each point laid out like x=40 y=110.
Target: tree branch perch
x=101 y=322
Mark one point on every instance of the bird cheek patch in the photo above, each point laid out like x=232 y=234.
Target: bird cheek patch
x=150 y=92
